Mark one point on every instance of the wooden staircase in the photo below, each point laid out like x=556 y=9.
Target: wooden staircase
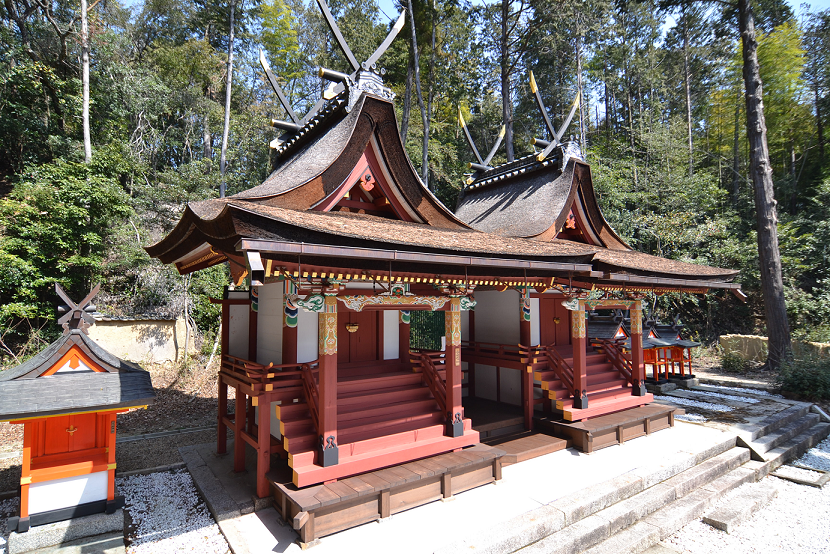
x=382 y=420
x=608 y=391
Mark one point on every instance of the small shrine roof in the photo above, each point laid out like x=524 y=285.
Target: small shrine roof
x=26 y=392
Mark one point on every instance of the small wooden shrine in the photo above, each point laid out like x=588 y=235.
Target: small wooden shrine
x=67 y=398
x=342 y=245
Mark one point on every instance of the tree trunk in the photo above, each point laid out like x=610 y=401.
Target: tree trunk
x=819 y=124
x=736 y=175
x=85 y=80
x=417 y=63
x=582 y=138
x=407 y=100
x=227 y=126
x=688 y=91
x=506 y=100
x=430 y=94
x=772 y=285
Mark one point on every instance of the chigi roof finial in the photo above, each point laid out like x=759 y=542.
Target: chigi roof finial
x=76 y=316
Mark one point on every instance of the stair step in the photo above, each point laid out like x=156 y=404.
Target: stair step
x=796 y=446
x=767 y=442
x=606 y=406
x=601 y=396
x=750 y=432
x=741 y=506
x=357 y=400
x=304 y=439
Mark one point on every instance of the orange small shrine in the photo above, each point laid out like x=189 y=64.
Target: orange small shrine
x=67 y=398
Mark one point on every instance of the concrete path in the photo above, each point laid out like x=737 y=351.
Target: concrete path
x=524 y=487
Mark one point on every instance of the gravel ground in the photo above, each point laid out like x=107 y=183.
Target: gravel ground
x=168 y=515
x=817 y=457
x=694 y=403
x=756 y=392
x=691 y=418
x=794 y=522
x=8 y=508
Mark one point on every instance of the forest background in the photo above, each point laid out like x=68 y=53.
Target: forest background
x=662 y=123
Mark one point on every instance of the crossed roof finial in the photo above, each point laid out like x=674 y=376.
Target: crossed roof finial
x=483 y=164
x=556 y=137
x=77 y=316
x=367 y=71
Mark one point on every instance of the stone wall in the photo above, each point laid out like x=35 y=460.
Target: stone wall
x=754 y=348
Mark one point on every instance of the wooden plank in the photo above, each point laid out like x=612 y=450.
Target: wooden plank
x=359 y=485
x=375 y=481
x=326 y=497
x=422 y=470
x=344 y=491
x=433 y=464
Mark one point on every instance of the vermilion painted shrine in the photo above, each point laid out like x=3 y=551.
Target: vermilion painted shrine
x=342 y=243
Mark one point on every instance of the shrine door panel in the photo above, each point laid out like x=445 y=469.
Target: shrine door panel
x=554 y=322
x=361 y=345
x=69 y=433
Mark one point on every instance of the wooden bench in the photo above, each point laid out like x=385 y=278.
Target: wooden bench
x=321 y=510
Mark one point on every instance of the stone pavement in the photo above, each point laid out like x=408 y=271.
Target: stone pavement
x=555 y=479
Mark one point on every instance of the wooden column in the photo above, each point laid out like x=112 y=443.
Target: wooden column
x=579 y=345
x=638 y=368
x=452 y=327
x=327 y=329
x=527 y=374
x=26 y=474
x=404 y=330
x=289 y=323
x=221 y=429
x=263 y=462
x=238 y=429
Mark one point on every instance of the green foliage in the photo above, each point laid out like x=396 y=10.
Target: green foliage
x=807 y=378
x=732 y=362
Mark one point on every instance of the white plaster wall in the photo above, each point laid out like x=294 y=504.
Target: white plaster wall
x=511 y=387
x=71 y=491
x=82 y=367
x=535 y=329
x=307 y=338
x=275 y=423
x=465 y=325
x=239 y=316
x=485 y=380
x=269 y=324
x=497 y=317
x=391 y=334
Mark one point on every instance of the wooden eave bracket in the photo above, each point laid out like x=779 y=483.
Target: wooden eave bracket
x=740 y=295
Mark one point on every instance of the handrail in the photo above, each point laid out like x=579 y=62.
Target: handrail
x=434 y=382
x=490 y=348
x=312 y=395
x=613 y=351
x=539 y=357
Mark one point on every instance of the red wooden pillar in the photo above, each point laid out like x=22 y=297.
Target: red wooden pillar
x=109 y=429
x=404 y=333
x=26 y=469
x=638 y=368
x=527 y=374
x=263 y=462
x=452 y=328
x=327 y=329
x=579 y=346
x=221 y=430
x=289 y=323
x=238 y=429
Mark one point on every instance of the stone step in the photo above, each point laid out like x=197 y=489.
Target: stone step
x=741 y=505
x=763 y=444
x=796 y=446
x=641 y=520
x=768 y=425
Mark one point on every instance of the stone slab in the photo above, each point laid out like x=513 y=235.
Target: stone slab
x=627 y=512
x=741 y=505
x=572 y=539
x=636 y=538
x=112 y=543
x=59 y=532
x=595 y=498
